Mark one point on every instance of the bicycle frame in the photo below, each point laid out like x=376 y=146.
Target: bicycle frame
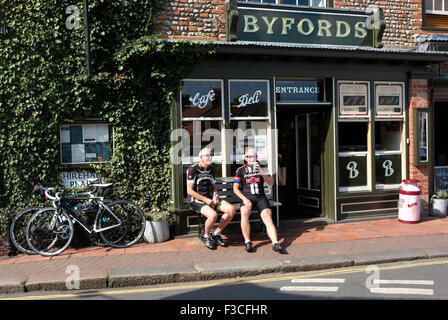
x=75 y=217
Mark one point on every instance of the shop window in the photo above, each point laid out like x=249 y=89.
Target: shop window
x=198 y=135
x=436 y=14
x=436 y=6
x=300 y=91
x=389 y=100
x=201 y=103
x=201 y=99
x=249 y=99
x=353 y=156
x=421 y=137
x=85 y=143
x=203 y=123
x=388 y=151
x=354 y=99
x=246 y=133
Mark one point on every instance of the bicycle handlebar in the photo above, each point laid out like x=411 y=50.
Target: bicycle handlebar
x=49 y=196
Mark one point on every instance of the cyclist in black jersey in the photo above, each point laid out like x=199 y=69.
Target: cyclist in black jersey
x=203 y=198
x=252 y=195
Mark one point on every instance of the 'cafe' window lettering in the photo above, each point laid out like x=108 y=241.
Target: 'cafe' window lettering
x=201 y=101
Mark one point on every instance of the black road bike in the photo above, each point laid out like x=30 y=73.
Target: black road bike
x=119 y=223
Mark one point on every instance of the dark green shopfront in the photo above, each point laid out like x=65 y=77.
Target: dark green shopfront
x=331 y=121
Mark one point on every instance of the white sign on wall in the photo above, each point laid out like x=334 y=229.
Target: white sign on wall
x=77 y=179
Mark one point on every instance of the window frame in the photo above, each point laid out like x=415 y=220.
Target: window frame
x=366 y=154
x=326 y=101
x=392 y=152
x=268 y=91
x=444 y=11
x=417 y=136
x=111 y=141
x=203 y=118
x=403 y=95
x=371 y=120
x=355 y=117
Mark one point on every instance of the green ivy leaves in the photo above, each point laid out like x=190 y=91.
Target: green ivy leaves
x=43 y=85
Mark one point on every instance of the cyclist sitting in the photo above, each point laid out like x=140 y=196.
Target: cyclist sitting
x=203 y=198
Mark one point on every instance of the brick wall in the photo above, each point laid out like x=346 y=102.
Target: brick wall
x=192 y=20
x=418 y=92
x=403 y=19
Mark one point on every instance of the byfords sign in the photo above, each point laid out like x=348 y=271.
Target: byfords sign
x=262 y=23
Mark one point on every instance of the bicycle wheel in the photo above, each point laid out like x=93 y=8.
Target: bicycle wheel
x=17 y=231
x=49 y=232
x=126 y=233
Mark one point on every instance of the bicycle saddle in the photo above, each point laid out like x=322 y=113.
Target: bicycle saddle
x=102 y=185
x=97 y=183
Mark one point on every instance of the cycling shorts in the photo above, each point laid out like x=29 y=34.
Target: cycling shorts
x=258 y=201
x=197 y=205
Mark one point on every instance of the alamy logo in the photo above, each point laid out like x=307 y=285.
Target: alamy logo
x=72 y=21
x=73 y=279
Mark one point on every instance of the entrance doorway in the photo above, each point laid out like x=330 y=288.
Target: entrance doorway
x=301 y=132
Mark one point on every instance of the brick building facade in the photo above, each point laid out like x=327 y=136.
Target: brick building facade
x=205 y=20
x=408 y=24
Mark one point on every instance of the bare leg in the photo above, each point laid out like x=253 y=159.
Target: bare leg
x=229 y=212
x=211 y=216
x=266 y=216
x=245 y=225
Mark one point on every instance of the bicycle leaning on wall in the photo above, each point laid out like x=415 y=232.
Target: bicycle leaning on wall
x=120 y=223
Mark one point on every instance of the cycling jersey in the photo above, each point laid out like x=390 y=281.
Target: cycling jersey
x=202 y=180
x=252 y=182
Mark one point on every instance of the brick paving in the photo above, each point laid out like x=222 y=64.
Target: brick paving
x=302 y=242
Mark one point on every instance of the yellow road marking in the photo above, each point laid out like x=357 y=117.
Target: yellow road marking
x=227 y=283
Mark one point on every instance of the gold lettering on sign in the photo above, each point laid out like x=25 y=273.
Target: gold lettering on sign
x=287 y=22
x=339 y=34
x=324 y=25
x=306 y=27
x=310 y=27
x=360 y=30
x=250 y=24
x=270 y=24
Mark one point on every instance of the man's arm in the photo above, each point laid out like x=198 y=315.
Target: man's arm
x=239 y=194
x=269 y=180
x=267 y=177
x=196 y=195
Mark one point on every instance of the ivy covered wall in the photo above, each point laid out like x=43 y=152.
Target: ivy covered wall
x=43 y=85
